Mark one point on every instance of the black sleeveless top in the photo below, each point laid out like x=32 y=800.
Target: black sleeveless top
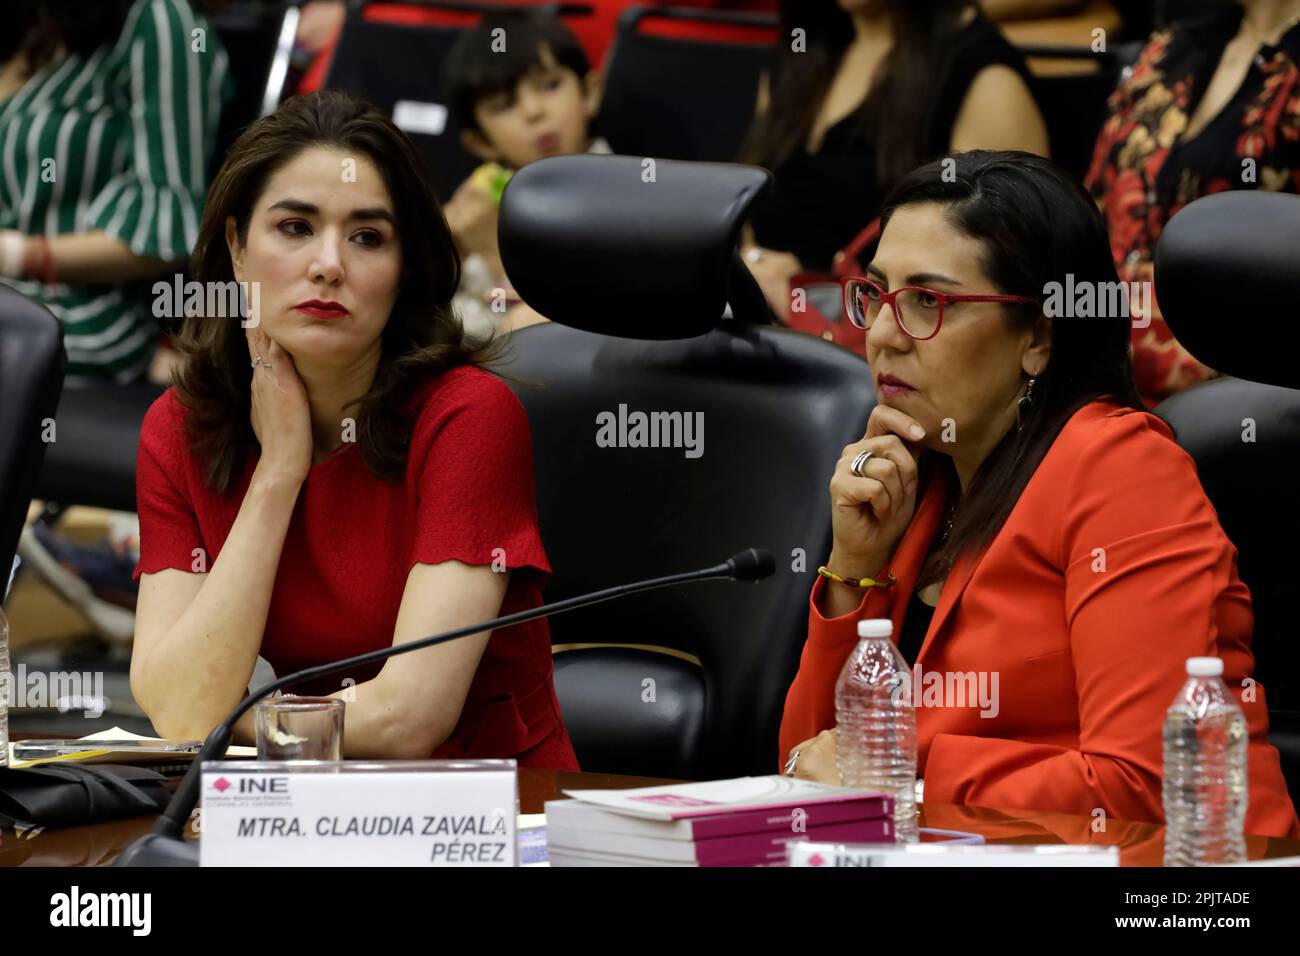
x=919 y=615
x=821 y=201
x=916 y=622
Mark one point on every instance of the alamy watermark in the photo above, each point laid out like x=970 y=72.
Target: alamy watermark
x=1099 y=300
x=179 y=299
x=75 y=908
x=626 y=429
x=64 y=691
x=947 y=689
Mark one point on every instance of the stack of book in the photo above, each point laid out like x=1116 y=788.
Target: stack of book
x=747 y=821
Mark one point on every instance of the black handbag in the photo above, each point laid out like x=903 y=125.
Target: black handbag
x=65 y=794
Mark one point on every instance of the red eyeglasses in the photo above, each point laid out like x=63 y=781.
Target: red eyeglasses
x=919 y=311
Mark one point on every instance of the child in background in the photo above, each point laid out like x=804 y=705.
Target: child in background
x=521 y=88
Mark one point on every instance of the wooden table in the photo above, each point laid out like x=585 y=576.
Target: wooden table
x=1141 y=844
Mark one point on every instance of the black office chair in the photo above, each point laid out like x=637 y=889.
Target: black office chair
x=93 y=462
x=398 y=68
x=31 y=376
x=686 y=682
x=1228 y=280
x=1074 y=105
x=683 y=98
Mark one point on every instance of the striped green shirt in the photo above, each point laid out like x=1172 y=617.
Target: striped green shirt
x=118 y=142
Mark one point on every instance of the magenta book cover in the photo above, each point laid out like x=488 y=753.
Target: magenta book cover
x=737 y=822
x=755 y=848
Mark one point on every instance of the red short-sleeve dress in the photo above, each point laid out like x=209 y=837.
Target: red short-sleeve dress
x=467 y=495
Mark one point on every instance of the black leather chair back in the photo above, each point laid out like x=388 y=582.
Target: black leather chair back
x=31 y=375
x=93 y=462
x=638 y=248
x=1228 y=279
x=683 y=98
x=1245 y=439
x=1228 y=283
x=687 y=681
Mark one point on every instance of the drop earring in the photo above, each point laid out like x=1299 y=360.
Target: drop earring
x=1024 y=406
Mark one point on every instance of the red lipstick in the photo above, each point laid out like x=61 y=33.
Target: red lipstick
x=320 y=309
x=892 y=385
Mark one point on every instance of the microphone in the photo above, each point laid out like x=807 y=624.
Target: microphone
x=166 y=845
x=751 y=564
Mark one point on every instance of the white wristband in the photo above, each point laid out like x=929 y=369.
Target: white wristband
x=13 y=249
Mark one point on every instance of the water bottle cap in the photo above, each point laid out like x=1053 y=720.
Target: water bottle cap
x=876 y=627
x=1204 y=667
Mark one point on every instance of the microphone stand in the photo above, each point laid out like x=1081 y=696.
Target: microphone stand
x=166 y=845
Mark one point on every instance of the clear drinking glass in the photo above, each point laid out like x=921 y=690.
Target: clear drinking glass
x=300 y=728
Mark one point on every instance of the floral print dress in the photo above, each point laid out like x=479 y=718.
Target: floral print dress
x=1144 y=170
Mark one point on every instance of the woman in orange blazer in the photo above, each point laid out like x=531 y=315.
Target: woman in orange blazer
x=1022 y=522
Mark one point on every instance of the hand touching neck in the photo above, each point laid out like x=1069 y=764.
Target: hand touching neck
x=332 y=394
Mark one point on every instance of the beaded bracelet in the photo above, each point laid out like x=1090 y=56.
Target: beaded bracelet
x=862 y=583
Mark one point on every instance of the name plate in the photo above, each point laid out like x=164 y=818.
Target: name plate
x=358 y=813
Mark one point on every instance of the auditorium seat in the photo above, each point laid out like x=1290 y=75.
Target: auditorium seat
x=686 y=682
x=1228 y=279
x=682 y=83
x=93 y=462
x=31 y=376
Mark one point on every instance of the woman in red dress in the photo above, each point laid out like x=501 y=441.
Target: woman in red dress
x=335 y=472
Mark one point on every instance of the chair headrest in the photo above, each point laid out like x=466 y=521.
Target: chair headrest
x=631 y=247
x=1228 y=283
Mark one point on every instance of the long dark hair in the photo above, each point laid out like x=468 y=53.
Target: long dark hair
x=423 y=337
x=1037 y=225
x=901 y=99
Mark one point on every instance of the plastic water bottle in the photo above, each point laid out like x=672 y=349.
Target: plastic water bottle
x=1205 y=786
x=876 y=723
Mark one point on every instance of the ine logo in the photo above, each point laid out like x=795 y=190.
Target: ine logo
x=75 y=909
x=251 y=783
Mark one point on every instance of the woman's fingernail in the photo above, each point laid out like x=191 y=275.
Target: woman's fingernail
x=916 y=431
